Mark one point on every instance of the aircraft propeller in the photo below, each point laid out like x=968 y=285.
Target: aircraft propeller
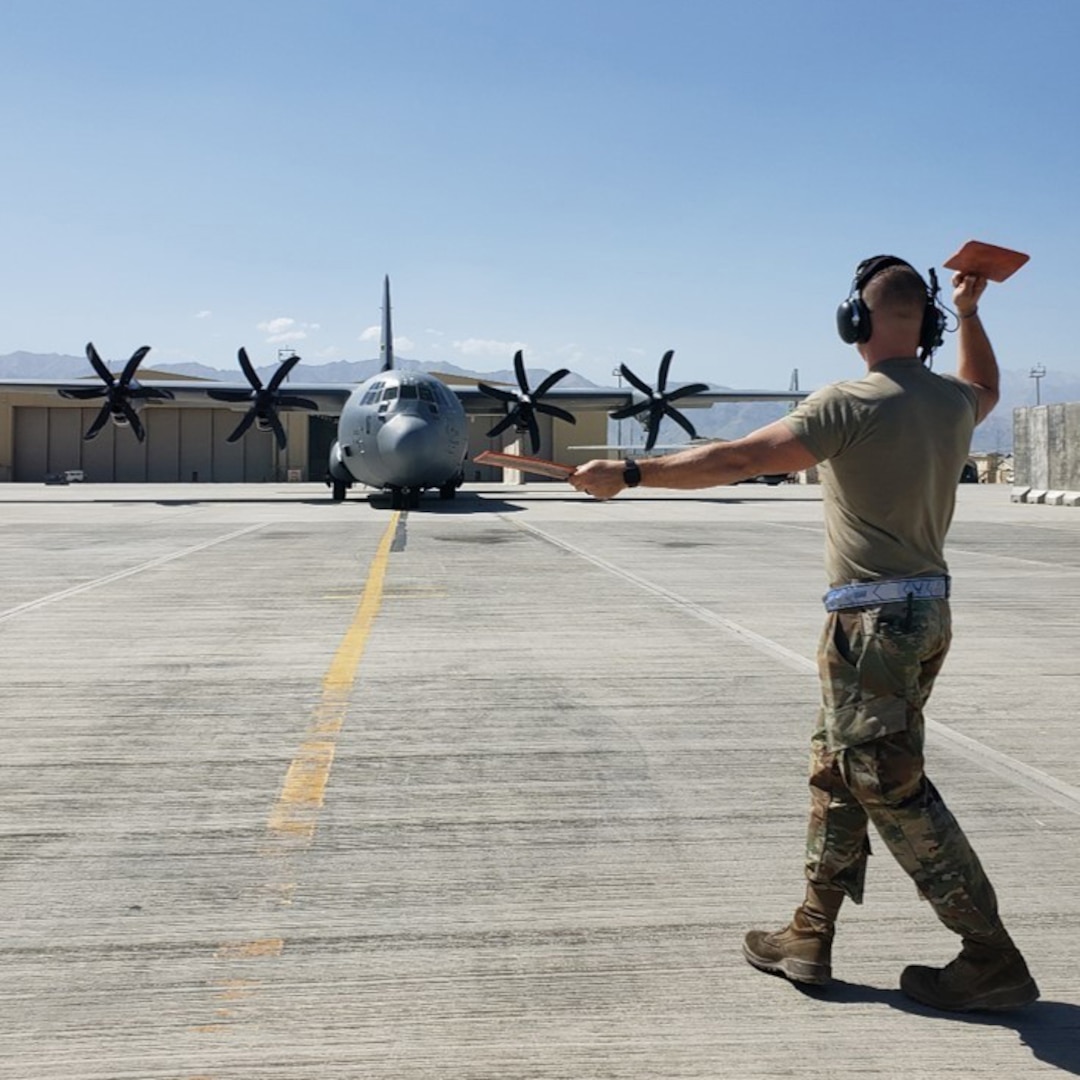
x=119 y=394
x=265 y=400
x=658 y=402
x=526 y=403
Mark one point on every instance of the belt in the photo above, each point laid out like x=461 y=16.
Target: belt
x=871 y=593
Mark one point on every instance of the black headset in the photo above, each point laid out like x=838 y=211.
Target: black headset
x=853 y=316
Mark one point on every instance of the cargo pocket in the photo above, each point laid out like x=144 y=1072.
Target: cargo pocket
x=869 y=676
x=839 y=674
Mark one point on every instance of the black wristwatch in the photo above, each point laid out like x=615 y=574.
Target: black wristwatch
x=631 y=474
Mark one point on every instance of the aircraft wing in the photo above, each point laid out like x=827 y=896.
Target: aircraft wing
x=592 y=399
x=329 y=398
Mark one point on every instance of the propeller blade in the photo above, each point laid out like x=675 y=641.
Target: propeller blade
x=100 y=421
x=229 y=395
x=246 y=422
x=130 y=415
x=501 y=426
x=655 y=416
x=550 y=381
x=134 y=421
x=554 y=410
x=133 y=364
x=282 y=372
x=681 y=421
x=631 y=410
x=147 y=393
x=634 y=381
x=534 y=432
x=497 y=393
x=519 y=371
x=686 y=391
x=98 y=364
x=82 y=393
x=279 y=431
x=250 y=373
x=293 y=402
x=665 y=365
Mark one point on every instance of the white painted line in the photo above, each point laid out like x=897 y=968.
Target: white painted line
x=1035 y=780
x=792 y=660
x=86 y=586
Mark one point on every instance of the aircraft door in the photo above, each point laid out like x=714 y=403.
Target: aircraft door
x=322 y=431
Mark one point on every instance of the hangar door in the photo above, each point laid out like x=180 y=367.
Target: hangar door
x=182 y=445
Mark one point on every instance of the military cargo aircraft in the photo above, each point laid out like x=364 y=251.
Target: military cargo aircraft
x=400 y=432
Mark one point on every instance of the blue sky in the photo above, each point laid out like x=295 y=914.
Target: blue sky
x=595 y=181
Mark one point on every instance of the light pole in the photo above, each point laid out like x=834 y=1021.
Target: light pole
x=282 y=356
x=1037 y=373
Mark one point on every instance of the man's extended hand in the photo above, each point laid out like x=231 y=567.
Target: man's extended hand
x=967 y=288
x=600 y=479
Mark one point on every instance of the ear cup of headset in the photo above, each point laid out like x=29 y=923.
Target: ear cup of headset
x=932 y=332
x=853 y=321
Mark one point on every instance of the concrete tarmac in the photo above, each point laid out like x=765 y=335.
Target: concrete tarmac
x=493 y=788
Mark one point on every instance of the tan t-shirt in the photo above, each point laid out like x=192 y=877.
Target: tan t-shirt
x=892 y=446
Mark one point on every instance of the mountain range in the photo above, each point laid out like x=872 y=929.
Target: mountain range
x=726 y=421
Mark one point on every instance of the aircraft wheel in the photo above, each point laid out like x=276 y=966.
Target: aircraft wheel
x=338 y=489
x=448 y=490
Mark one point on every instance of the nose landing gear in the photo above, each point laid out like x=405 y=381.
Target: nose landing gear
x=404 y=498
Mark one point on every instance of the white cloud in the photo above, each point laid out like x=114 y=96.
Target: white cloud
x=203 y=314
x=283 y=329
x=374 y=333
x=485 y=347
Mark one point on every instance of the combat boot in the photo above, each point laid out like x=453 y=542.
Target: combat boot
x=802 y=951
x=990 y=977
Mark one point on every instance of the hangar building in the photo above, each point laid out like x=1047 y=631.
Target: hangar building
x=41 y=435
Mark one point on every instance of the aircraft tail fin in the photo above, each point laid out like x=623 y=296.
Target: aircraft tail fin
x=386 y=344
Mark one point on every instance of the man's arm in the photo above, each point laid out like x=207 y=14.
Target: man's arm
x=771 y=449
x=975 y=361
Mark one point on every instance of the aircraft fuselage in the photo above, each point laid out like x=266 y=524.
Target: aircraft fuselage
x=401 y=430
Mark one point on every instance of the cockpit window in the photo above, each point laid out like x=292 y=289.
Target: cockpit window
x=390 y=393
x=425 y=392
x=408 y=390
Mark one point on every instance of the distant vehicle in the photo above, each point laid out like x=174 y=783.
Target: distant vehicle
x=772 y=479
x=969 y=474
x=68 y=476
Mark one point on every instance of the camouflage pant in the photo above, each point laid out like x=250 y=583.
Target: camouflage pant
x=877 y=668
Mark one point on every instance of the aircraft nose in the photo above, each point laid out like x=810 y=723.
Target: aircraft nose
x=406 y=445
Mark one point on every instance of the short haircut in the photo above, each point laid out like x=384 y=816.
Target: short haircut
x=897 y=291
